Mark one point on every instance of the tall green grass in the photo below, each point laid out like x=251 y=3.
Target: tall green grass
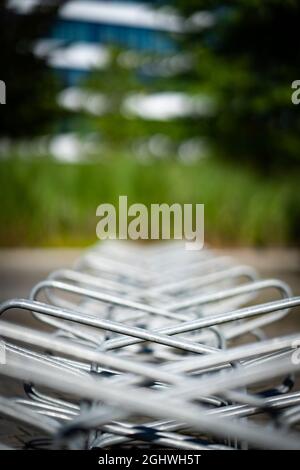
x=48 y=203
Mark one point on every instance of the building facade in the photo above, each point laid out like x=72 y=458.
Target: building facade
x=85 y=28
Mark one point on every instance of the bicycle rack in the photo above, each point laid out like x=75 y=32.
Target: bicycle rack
x=152 y=346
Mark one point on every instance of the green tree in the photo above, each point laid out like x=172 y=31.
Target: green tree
x=31 y=107
x=246 y=59
x=115 y=83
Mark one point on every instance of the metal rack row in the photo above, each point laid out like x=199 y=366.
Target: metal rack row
x=151 y=346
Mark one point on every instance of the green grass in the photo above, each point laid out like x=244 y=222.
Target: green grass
x=47 y=203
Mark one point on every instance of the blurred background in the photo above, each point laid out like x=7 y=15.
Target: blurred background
x=183 y=101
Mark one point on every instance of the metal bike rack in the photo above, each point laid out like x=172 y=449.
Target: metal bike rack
x=152 y=346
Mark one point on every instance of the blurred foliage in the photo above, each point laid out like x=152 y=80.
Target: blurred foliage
x=114 y=83
x=118 y=128
x=31 y=86
x=247 y=60
x=48 y=203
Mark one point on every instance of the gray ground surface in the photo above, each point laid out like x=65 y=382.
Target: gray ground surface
x=20 y=269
